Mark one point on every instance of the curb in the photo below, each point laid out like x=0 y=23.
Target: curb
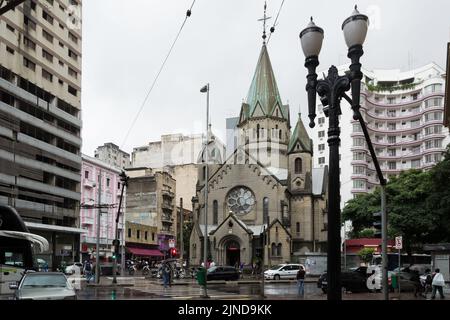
x=110 y=285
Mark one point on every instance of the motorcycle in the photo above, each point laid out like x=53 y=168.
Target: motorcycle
x=145 y=269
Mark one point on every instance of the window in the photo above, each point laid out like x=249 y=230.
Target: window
x=73 y=55
x=86 y=174
x=357 y=128
x=274 y=249
x=47 y=75
x=61 y=44
x=9 y=28
x=392 y=139
x=153 y=236
x=297 y=227
x=215 y=212
x=29 y=23
x=392 y=165
x=391 y=100
x=392 y=126
x=10 y=50
x=74 y=74
x=359 y=156
x=29 y=44
x=321 y=120
x=391 y=113
x=138 y=234
x=47 y=55
x=257 y=131
x=435 y=102
x=321 y=147
x=359 y=170
x=321 y=160
x=415 y=123
x=415 y=164
x=359 y=184
x=279 y=250
x=321 y=134
x=266 y=210
x=298 y=165
x=107 y=182
x=47 y=36
x=73 y=38
x=72 y=90
x=433 y=88
x=29 y=64
x=129 y=233
x=146 y=235
x=392 y=152
x=47 y=17
x=61 y=26
x=358 y=142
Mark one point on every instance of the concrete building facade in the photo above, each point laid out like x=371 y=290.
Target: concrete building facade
x=111 y=154
x=40 y=121
x=151 y=203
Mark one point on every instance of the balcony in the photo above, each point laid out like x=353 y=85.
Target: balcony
x=167 y=206
x=167 y=219
x=166 y=231
x=87 y=221
x=168 y=193
x=88 y=183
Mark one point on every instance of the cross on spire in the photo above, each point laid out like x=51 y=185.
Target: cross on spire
x=264 y=22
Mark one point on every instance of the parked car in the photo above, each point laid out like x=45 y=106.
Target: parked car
x=354 y=280
x=75 y=268
x=283 y=271
x=226 y=273
x=43 y=286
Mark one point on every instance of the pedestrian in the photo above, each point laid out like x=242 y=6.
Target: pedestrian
x=87 y=269
x=428 y=282
x=301 y=281
x=241 y=270
x=212 y=264
x=438 y=284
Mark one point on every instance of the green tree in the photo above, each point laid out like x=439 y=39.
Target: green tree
x=366 y=233
x=366 y=254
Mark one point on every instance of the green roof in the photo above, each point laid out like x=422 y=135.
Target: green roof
x=300 y=136
x=263 y=90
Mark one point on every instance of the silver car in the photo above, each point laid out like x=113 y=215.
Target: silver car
x=43 y=286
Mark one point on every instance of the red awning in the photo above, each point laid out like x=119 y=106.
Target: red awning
x=145 y=252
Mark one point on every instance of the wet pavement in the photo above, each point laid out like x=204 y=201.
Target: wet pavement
x=148 y=290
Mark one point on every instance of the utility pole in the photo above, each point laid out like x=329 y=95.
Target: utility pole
x=181 y=232
x=116 y=242
x=205 y=236
x=97 y=253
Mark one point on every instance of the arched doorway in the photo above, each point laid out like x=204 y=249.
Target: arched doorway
x=232 y=253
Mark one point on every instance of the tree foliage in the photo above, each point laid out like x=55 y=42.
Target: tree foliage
x=418 y=206
x=366 y=254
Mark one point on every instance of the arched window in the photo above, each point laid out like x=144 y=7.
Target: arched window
x=280 y=134
x=297 y=228
x=298 y=165
x=266 y=210
x=274 y=249
x=215 y=212
x=257 y=131
x=279 y=250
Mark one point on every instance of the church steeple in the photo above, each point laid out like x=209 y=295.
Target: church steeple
x=300 y=141
x=263 y=95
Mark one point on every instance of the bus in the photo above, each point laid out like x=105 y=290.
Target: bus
x=17 y=248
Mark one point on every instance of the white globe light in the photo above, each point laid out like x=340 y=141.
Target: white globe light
x=311 y=39
x=355 y=28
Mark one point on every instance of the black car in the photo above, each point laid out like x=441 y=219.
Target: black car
x=354 y=280
x=222 y=273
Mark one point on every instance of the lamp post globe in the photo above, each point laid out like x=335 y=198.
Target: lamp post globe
x=311 y=39
x=355 y=28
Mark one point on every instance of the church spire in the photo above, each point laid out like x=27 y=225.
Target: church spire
x=301 y=137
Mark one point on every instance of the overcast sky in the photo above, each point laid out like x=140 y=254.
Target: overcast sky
x=125 y=42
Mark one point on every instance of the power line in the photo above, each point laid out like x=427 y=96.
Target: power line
x=272 y=30
x=188 y=14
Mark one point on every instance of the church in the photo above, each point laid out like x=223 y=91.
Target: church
x=265 y=201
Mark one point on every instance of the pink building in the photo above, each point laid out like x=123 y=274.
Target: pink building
x=110 y=185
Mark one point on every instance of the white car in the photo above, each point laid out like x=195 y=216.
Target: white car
x=76 y=268
x=283 y=271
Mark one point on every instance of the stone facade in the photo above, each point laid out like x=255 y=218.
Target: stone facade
x=265 y=201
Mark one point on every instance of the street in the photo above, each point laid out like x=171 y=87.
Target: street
x=143 y=289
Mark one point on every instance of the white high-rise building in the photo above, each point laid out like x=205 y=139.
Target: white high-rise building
x=404 y=116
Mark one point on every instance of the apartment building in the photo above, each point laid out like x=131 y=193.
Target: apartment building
x=100 y=185
x=40 y=121
x=111 y=154
x=404 y=116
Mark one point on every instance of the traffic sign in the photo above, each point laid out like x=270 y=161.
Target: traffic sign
x=398 y=243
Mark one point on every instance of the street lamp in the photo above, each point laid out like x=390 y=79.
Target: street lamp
x=205 y=89
x=331 y=90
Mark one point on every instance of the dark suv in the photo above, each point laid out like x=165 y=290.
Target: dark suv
x=354 y=280
x=223 y=273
